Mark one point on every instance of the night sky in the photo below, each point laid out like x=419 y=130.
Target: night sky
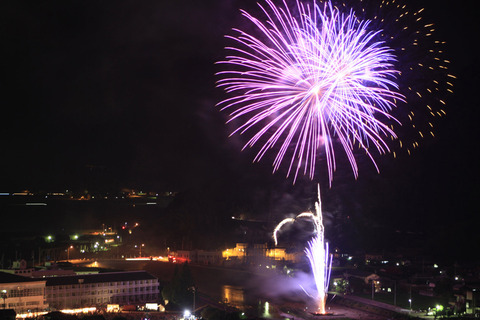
x=102 y=95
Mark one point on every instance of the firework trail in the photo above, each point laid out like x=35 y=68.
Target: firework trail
x=316 y=251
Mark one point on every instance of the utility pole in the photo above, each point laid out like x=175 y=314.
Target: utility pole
x=373 y=289
x=395 y=292
x=193 y=311
x=193 y=289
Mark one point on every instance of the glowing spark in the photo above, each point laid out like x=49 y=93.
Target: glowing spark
x=279 y=226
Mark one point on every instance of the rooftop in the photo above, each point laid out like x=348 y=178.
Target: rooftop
x=12 y=278
x=100 y=277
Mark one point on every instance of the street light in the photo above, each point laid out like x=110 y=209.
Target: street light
x=410 y=300
x=68 y=252
x=4 y=297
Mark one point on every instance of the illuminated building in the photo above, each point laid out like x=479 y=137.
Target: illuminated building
x=257 y=252
x=239 y=252
x=281 y=254
x=133 y=287
x=22 y=294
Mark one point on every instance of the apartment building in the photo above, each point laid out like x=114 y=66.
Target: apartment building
x=97 y=290
x=22 y=294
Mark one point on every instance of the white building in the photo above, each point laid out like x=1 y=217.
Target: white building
x=95 y=290
x=22 y=294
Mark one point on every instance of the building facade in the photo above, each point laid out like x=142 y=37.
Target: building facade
x=22 y=294
x=258 y=253
x=98 y=290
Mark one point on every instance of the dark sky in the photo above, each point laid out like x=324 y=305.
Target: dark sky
x=112 y=94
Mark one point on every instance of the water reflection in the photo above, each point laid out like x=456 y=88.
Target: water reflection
x=264 y=309
x=93 y=264
x=234 y=296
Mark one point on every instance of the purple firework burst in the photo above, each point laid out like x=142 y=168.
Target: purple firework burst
x=308 y=79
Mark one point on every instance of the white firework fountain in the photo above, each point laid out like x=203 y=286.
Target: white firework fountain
x=317 y=253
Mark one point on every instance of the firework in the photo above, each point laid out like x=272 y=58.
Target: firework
x=327 y=75
x=319 y=75
x=316 y=251
x=304 y=85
